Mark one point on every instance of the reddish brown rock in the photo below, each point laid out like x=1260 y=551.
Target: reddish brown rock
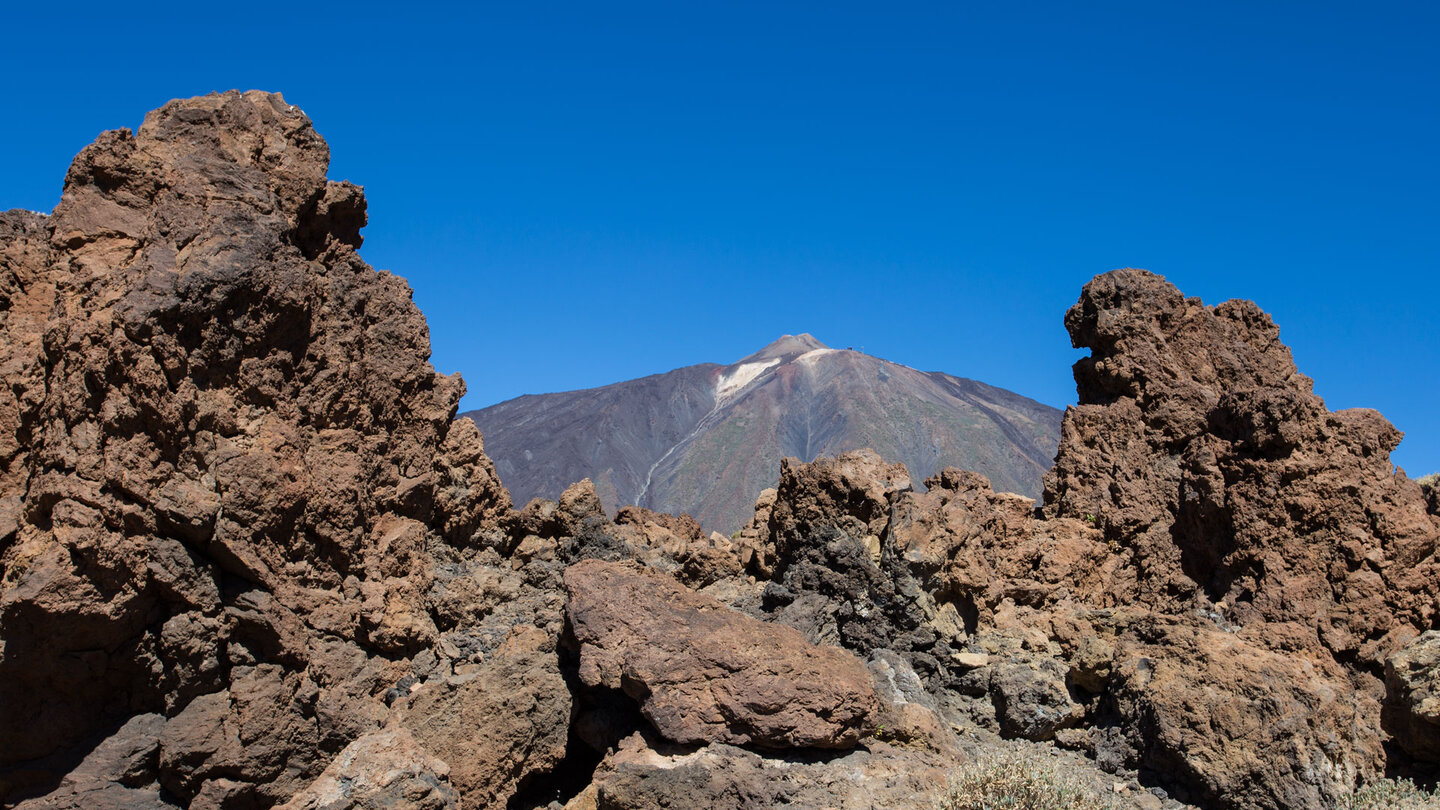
x=1198 y=479
x=1199 y=447
x=1239 y=725
x=495 y=723
x=225 y=458
x=118 y=774
x=703 y=673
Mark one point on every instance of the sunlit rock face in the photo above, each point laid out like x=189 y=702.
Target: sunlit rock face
x=226 y=458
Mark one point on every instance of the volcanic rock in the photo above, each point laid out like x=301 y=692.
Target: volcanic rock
x=247 y=556
x=224 y=460
x=1031 y=698
x=1198 y=447
x=640 y=777
x=496 y=723
x=1412 y=679
x=1211 y=589
x=1240 y=725
x=119 y=774
x=382 y=769
x=703 y=673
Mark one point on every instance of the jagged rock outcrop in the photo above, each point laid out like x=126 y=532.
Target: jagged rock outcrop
x=1412 y=680
x=1210 y=592
x=230 y=485
x=1199 y=448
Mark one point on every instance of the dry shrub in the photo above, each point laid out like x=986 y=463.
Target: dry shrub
x=1391 y=794
x=1013 y=781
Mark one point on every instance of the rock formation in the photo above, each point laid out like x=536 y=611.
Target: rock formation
x=703 y=673
x=1212 y=591
x=229 y=473
x=248 y=559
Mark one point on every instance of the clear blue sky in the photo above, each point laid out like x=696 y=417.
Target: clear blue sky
x=586 y=192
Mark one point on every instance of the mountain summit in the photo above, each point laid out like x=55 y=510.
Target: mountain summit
x=706 y=439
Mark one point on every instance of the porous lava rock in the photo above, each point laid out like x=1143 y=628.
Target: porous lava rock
x=230 y=482
x=704 y=673
x=640 y=776
x=497 y=723
x=247 y=556
x=1209 y=592
x=1412 y=680
x=382 y=769
x=1199 y=448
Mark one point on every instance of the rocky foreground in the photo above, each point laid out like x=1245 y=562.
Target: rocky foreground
x=249 y=559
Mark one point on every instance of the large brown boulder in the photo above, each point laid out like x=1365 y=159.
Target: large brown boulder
x=704 y=673
x=1237 y=725
x=496 y=723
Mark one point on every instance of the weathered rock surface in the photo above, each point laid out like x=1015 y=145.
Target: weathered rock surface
x=119 y=774
x=1240 y=725
x=230 y=483
x=1412 y=680
x=497 y=723
x=723 y=777
x=382 y=769
x=1210 y=592
x=704 y=673
x=1200 y=449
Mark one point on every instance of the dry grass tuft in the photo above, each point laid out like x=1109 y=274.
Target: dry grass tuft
x=1014 y=781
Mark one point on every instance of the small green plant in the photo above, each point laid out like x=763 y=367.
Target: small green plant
x=1428 y=481
x=1391 y=794
x=1017 y=780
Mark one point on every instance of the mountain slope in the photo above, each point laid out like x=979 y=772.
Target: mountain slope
x=706 y=439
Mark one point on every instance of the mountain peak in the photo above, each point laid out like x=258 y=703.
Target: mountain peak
x=786 y=346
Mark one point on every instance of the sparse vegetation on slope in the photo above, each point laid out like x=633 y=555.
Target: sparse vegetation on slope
x=1014 y=781
x=1391 y=794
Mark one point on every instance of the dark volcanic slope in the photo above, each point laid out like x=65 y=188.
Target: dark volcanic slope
x=706 y=439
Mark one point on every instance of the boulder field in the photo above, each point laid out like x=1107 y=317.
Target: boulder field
x=249 y=559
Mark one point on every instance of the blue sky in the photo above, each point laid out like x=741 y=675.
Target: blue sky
x=583 y=193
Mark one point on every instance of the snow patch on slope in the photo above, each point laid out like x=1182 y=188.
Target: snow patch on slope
x=733 y=381
x=809 y=358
